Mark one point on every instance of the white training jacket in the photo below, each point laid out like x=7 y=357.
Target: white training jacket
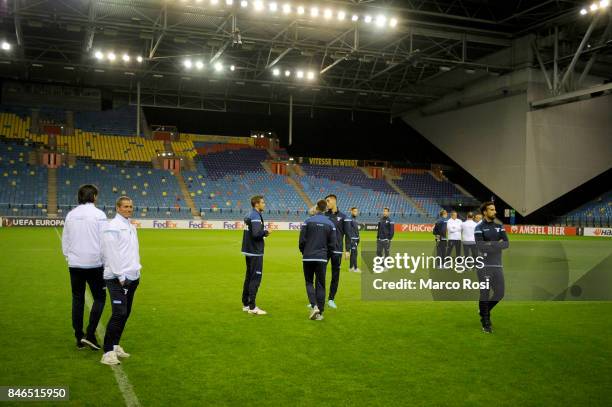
x=81 y=238
x=453 y=229
x=467 y=231
x=121 y=251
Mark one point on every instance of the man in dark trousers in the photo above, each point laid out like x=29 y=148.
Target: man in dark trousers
x=353 y=241
x=317 y=244
x=453 y=229
x=253 y=250
x=341 y=223
x=82 y=247
x=491 y=239
x=384 y=235
x=440 y=233
x=121 y=276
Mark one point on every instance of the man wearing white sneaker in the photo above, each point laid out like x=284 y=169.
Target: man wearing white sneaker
x=121 y=275
x=253 y=250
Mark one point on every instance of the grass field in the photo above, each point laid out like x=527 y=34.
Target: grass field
x=192 y=345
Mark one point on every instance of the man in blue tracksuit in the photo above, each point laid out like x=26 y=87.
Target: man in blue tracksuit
x=353 y=241
x=491 y=239
x=341 y=223
x=317 y=244
x=253 y=250
x=384 y=235
x=440 y=233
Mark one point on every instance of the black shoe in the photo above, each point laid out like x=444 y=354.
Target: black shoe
x=487 y=330
x=79 y=344
x=91 y=342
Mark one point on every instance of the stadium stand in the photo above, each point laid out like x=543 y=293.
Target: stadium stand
x=120 y=122
x=597 y=213
x=15 y=124
x=223 y=183
x=104 y=147
x=228 y=172
x=353 y=188
x=155 y=192
x=184 y=148
x=23 y=188
x=428 y=191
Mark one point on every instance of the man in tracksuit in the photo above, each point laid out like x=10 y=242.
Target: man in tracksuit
x=82 y=246
x=440 y=233
x=317 y=244
x=384 y=235
x=353 y=241
x=121 y=253
x=341 y=223
x=491 y=239
x=253 y=250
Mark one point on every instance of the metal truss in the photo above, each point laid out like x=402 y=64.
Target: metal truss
x=358 y=67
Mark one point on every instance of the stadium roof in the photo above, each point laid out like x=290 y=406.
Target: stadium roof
x=204 y=54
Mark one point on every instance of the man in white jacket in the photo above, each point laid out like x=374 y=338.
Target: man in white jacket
x=467 y=236
x=82 y=248
x=453 y=227
x=121 y=275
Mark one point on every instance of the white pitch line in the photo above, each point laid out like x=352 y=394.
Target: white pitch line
x=127 y=391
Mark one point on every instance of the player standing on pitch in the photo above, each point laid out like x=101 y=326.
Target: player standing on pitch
x=317 y=244
x=384 y=235
x=440 y=233
x=491 y=239
x=253 y=250
x=353 y=242
x=341 y=223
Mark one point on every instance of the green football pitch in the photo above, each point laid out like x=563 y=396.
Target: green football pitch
x=192 y=345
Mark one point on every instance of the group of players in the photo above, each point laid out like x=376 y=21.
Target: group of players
x=105 y=255
x=324 y=233
x=323 y=237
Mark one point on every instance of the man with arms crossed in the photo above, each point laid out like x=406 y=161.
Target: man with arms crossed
x=317 y=244
x=253 y=250
x=491 y=239
x=453 y=226
x=82 y=247
x=121 y=275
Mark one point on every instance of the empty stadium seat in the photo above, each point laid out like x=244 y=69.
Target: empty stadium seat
x=23 y=188
x=155 y=193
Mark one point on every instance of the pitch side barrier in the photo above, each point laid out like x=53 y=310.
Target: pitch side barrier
x=12 y=221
